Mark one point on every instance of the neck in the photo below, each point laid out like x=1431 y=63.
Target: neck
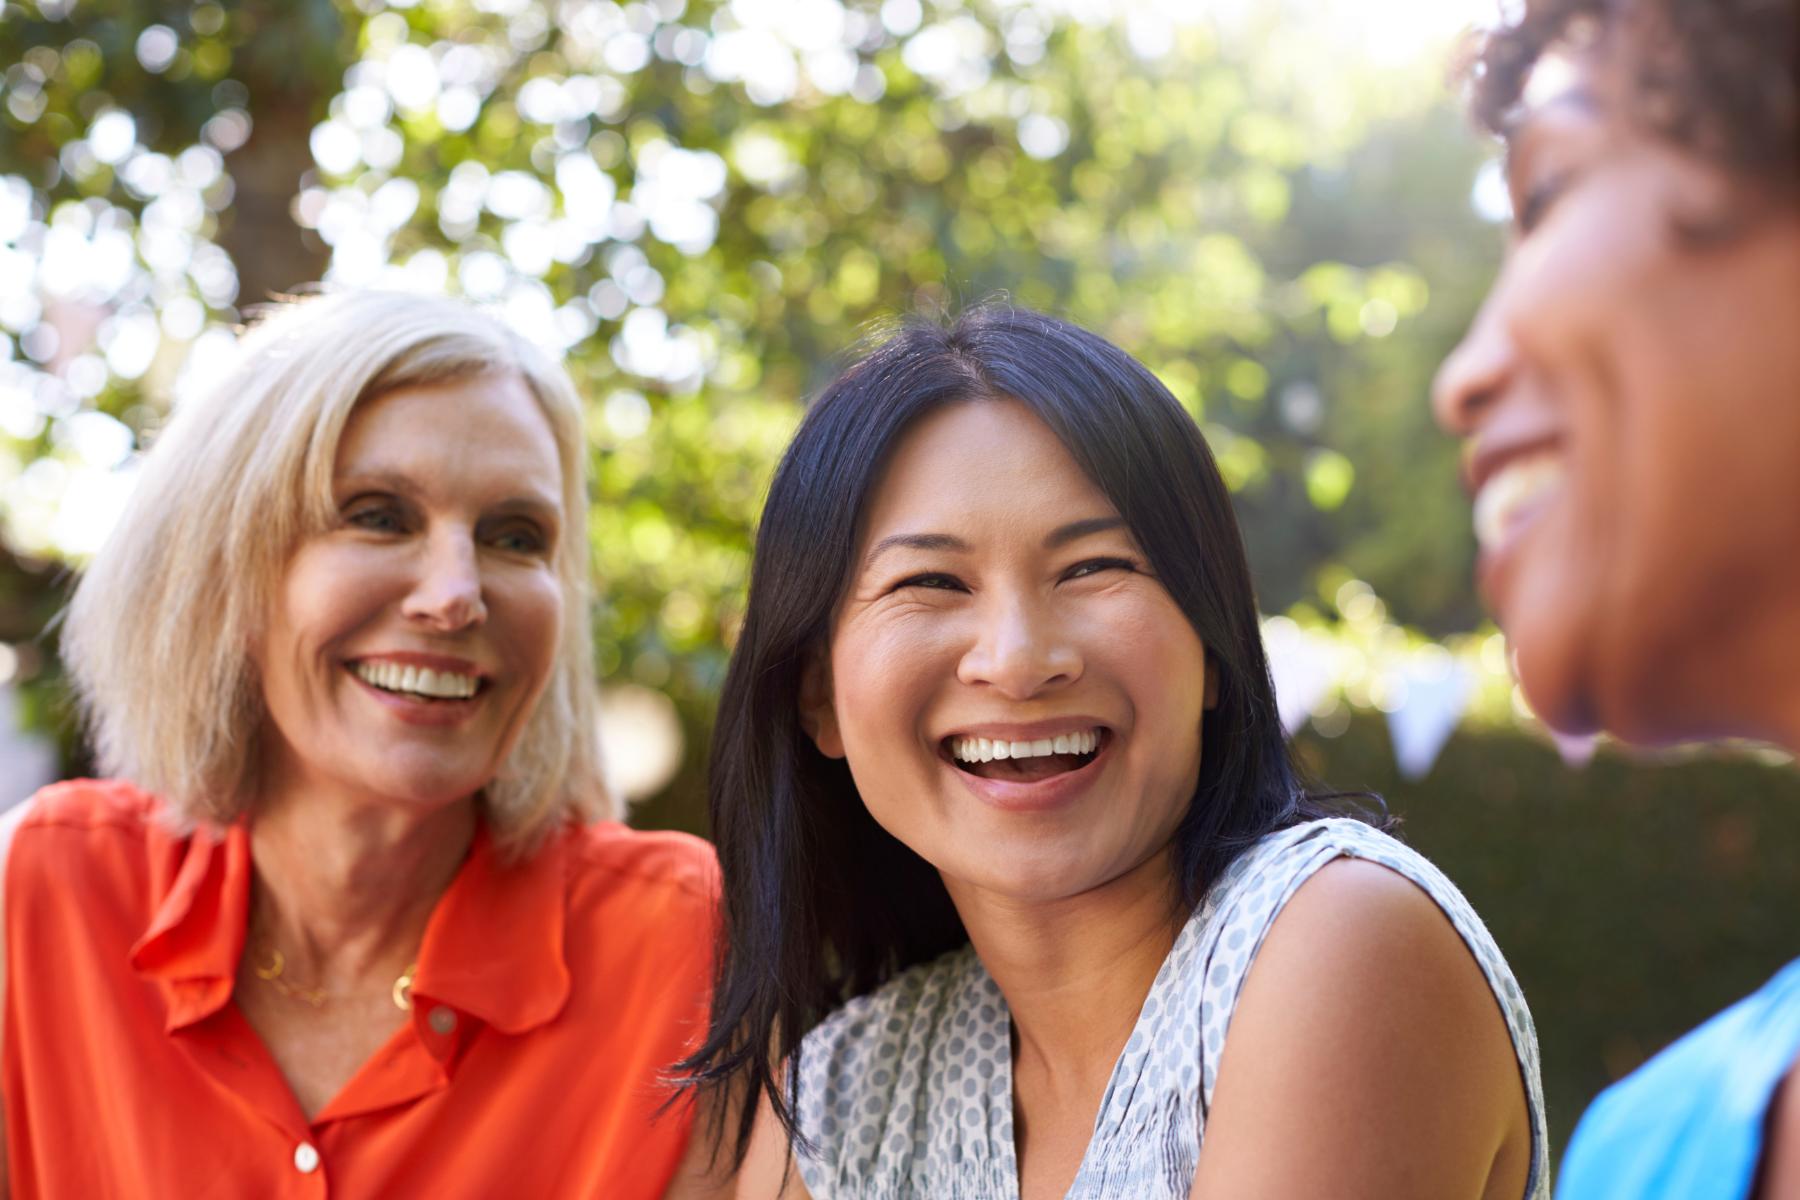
x=344 y=885
x=1075 y=971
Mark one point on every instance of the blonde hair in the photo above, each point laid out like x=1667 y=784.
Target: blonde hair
x=158 y=633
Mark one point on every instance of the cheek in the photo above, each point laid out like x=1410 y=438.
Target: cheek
x=883 y=680
x=326 y=595
x=1165 y=673
x=526 y=614
x=1145 y=643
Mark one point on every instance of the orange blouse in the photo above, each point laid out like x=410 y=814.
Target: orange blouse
x=548 y=1001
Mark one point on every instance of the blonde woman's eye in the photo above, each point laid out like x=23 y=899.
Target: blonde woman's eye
x=522 y=541
x=375 y=519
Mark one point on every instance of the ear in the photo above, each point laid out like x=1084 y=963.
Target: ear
x=1211 y=700
x=818 y=712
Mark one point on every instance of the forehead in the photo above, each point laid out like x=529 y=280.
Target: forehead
x=480 y=425
x=981 y=460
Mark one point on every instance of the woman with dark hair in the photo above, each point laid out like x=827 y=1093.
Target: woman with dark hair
x=1631 y=396
x=1011 y=839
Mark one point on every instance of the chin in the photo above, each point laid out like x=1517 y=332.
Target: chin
x=1611 y=676
x=423 y=788
x=1554 y=690
x=1550 y=616
x=1030 y=874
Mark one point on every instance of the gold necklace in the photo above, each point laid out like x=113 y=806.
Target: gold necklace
x=270 y=971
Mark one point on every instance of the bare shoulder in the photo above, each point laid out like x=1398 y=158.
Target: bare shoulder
x=1367 y=1033
x=1352 y=910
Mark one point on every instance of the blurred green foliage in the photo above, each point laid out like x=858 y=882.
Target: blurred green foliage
x=1286 y=239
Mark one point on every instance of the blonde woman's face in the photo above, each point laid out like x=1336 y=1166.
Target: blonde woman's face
x=410 y=642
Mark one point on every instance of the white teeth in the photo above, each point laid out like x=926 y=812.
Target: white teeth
x=1511 y=492
x=983 y=750
x=440 y=685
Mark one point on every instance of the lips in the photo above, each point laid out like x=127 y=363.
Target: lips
x=1515 y=493
x=417 y=681
x=422 y=689
x=1025 y=759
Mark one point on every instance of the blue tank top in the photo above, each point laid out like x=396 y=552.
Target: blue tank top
x=1689 y=1123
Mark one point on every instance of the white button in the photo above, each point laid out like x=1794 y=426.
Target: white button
x=442 y=1020
x=306 y=1158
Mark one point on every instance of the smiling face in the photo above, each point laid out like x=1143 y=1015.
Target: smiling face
x=410 y=642
x=1631 y=396
x=1018 y=697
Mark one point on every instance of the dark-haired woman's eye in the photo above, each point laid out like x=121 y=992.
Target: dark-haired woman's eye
x=1536 y=204
x=1094 y=566
x=944 y=583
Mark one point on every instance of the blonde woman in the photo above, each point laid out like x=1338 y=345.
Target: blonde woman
x=354 y=914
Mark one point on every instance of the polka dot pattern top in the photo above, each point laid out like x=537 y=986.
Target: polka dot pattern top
x=906 y=1093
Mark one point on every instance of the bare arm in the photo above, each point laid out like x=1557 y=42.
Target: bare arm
x=1368 y=1058
x=9 y=825
x=768 y=1172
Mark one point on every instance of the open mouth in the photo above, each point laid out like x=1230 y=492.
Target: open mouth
x=1514 y=494
x=417 y=683
x=1026 y=762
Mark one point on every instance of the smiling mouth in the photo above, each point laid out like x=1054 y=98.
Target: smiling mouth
x=1026 y=762
x=417 y=683
x=1513 y=495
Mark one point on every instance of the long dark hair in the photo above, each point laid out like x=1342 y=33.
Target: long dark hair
x=820 y=902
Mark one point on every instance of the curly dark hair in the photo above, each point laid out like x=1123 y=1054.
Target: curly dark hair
x=1719 y=77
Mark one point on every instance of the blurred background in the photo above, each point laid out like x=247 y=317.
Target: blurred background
x=1276 y=204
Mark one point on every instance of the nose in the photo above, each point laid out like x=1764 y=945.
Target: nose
x=1021 y=650
x=446 y=595
x=1473 y=378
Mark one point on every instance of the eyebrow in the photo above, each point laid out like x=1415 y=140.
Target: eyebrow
x=915 y=541
x=359 y=483
x=1076 y=530
x=1062 y=535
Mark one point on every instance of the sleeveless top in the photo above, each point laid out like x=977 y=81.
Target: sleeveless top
x=1690 y=1122
x=907 y=1092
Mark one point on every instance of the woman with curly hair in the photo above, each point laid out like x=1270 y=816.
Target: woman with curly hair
x=1631 y=396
